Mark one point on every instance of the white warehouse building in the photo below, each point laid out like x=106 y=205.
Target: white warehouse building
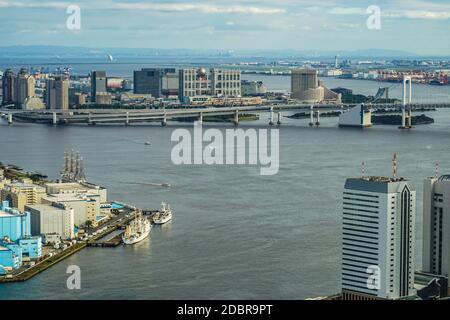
x=51 y=219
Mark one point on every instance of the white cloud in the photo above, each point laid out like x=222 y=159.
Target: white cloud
x=43 y=5
x=393 y=13
x=203 y=8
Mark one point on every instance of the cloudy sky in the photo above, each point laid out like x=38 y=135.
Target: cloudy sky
x=419 y=26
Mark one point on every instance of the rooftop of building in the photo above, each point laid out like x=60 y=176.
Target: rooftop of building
x=304 y=71
x=5 y=214
x=24 y=185
x=42 y=207
x=73 y=185
x=382 y=179
x=67 y=197
x=379 y=184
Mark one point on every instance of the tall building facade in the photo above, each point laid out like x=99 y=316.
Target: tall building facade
x=57 y=94
x=213 y=82
x=159 y=82
x=25 y=87
x=436 y=226
x=9 y=87
x=305 y=86
x=378 y=257
x=98 y=84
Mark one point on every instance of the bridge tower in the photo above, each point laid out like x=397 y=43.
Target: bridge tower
x=311 y=116
x=407 y=100
x=271 y=117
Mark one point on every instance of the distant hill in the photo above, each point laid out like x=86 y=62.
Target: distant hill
x=67 y=52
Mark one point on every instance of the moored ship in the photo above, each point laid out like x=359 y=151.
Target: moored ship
x=164 y=215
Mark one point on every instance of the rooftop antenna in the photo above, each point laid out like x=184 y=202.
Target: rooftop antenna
x=437 y=170
x=394 y=165
x=363 y=169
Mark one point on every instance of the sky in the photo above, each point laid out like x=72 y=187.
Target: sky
x=417 y=26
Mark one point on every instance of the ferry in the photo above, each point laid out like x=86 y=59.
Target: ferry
x=164 y=215
x=137 y=230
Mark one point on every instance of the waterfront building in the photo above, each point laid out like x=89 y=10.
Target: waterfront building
x=25 y=87
x=103 y=98
x=13 y=224
x=9 y=260
x=253 y=88
x=98 y=84
x=436 y=226
x=31 y=247
x=114 y=83
x=207 y=83
x=57 y=94
x=51 y=219
x=78 y=188
x=80 y=99
x=136 y=98
x=378 y=257
x=306 y=87
x=85 y=208
x=159 y=82
x=33 y=103
x=8 y=87
x=19 y=194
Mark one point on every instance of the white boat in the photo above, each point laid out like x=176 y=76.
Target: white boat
x=164 y=215
x=138 y=229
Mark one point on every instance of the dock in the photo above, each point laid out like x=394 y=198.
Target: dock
x=109 y=243
x=43 y=265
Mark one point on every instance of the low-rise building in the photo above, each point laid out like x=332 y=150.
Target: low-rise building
x=19 y=194
x=103 y=98
x=77 y=188
x=15 y=238
x=253 y=88
x=13 y=224
x=86 y=209
x=9 y=260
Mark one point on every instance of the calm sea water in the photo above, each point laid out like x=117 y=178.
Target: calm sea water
x=235 y=234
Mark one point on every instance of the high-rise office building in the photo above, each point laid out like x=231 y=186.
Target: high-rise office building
x=8 y=86
x=436 y=226
x=25 y=86
x=378 y=255
x=57 y=94
x=98 y=84
x=159 y=82
x=213 y=82
x=305 y=86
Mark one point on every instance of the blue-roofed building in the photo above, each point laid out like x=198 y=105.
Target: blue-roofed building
x=31 y=247
x=15 y=238
x=9 y=259
x=13 y=224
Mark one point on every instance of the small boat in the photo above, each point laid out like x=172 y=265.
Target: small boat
x=138 y=229
x=147 y=143
x=163 y=216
